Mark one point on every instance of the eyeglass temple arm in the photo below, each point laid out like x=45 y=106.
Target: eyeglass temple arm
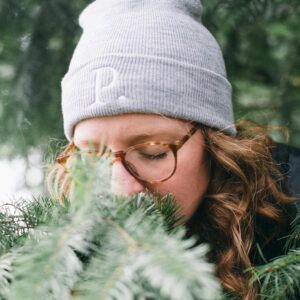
x=188 y=135
x=63 y=157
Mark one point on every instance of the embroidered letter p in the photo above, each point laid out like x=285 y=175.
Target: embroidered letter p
x=106 y=77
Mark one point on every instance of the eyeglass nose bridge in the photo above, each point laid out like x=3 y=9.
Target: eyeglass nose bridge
x=117 y=156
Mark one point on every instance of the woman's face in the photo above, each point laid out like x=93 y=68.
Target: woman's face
x=188 y=184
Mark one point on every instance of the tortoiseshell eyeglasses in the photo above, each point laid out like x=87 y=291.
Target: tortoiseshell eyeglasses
x=150 y=162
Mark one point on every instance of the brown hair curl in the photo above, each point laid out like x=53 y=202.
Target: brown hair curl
x=245 y=183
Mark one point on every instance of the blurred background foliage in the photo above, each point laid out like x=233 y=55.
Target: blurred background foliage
x=260 y=41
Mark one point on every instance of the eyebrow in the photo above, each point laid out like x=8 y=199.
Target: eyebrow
x=140 y=138
x=156 y=136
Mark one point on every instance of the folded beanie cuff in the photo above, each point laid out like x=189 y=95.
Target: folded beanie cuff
x=121 y=83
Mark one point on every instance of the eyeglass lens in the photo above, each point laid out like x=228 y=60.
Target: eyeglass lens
x=151 y=162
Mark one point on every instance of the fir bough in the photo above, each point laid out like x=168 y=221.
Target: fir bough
x=103 y=247
x=281 y=277
x=97 y=246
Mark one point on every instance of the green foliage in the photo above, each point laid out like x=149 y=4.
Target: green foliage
x=260 y=42
x=102 y=247
x=37 y=41
x=98 y=246
x=281 y=277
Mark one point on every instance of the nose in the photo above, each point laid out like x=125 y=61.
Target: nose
x=123 y=183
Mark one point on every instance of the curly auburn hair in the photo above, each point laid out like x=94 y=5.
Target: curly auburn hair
x=244 y=179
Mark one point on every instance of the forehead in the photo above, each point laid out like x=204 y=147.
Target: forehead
x=125 y=127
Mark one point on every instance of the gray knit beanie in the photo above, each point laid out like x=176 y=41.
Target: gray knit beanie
x=146 y=56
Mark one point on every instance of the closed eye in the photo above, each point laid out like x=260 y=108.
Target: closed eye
x=154 y=156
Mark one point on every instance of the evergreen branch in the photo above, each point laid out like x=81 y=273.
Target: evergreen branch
x=280 y=278
x=109 y=275
x=5 y=274
x=12 y=229
x=104 y=247
x=294 y=238
x=145 y=253
x=54 y=250
x=42 y=210
x=55 y=258
x=19 y=217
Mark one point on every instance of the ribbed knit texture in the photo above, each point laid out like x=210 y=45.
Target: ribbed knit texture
x=146 y=56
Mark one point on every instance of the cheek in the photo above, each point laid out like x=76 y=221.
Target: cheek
x=191 y=180
x=189 y=183
x=192 y=169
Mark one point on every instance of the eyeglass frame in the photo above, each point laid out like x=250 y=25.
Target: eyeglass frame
x=121 y=154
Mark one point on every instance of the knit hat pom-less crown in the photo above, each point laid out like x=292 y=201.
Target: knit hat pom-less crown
x=146 y=56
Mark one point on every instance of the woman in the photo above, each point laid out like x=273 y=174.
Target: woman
x=148 y=80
